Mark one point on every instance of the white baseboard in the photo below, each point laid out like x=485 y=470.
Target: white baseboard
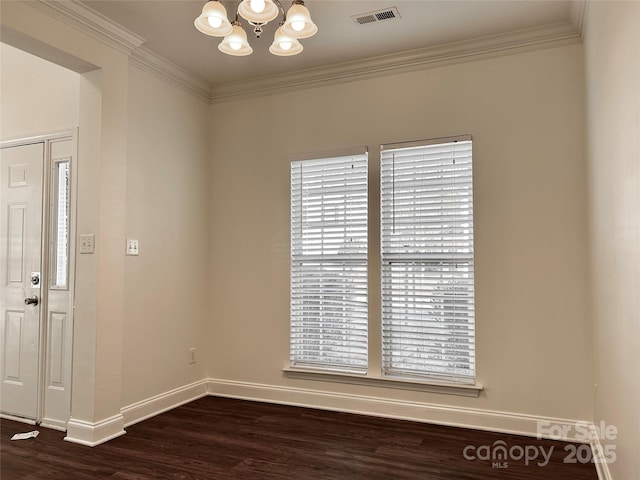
x=54 y=424
x=602 y=467
x=30 y=421
x=158 y=404
x=494 y=421
x=94 y=433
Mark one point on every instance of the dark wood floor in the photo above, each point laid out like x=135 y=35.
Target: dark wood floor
x=224 y=439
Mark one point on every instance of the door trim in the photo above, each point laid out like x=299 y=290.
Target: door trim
x=39 y=138
x=47 y=139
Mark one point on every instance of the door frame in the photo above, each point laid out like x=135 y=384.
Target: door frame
x=45 y=267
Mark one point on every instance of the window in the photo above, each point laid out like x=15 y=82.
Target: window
x=427 y=260
x=329 y=263
x=60 y=256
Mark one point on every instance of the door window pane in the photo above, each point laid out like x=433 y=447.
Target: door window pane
x=60 y=252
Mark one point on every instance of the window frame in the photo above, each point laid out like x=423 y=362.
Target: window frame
x=349 y=313
x=428 y=354
x=60 y=223
x=374 y=376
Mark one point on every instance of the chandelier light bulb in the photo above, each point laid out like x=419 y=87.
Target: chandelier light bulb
x=258 y=5
x=214 y=22
x=286 y=45
x=258 y=11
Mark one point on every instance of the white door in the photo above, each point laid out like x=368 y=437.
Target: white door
x=36 y=279
x=57 y=285
x=21 y=189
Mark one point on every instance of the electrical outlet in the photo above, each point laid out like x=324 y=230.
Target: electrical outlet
x=192 y=355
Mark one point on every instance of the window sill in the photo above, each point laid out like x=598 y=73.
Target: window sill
x=386 y=382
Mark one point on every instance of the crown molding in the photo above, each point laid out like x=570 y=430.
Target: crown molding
x=91 y=22
x=458 y=52
x=159 y=67
x=107 y=31
x=578 y=15
x=102 y=28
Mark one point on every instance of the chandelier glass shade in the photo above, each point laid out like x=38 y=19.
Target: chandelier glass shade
x=296 y=23
x=236 y=42
x=258 y=11
x=284 y=45
x=213 y=20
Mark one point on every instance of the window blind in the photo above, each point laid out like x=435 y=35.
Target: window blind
x=427 y=260
x=329 y=263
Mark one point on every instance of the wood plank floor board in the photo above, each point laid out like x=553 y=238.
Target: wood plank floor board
x=226 y=439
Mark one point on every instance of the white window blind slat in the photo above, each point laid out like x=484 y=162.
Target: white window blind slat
x=428 y=314
x=329 y=308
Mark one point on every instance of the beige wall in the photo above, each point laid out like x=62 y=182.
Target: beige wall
x=143 y=155
x=526 y=115
x=166 y=296
x=211 y=212
x=612 y=48
x=97 y=350
x=36 y=96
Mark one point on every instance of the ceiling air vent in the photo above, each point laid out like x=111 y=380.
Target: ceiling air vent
x=377 y=16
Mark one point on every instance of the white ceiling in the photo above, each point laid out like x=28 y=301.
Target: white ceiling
x=167 y=26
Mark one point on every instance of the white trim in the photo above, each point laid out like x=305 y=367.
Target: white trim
x=425 y=142
x=578 y=15
x=150 y=407
x=451 y=53
x=91 y=22
x=100 y=27
x=105 y=30
x=38 y=138
x=488 y=420
x=602 y=468
x=14 y=418
x=91 y=434
x=329 y=153
x=159 y=67
x=385 y=382
x=54 y=424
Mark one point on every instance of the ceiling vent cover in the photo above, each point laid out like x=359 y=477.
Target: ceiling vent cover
x=377 y=16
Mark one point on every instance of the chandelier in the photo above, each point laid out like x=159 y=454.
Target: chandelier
x=295 y=24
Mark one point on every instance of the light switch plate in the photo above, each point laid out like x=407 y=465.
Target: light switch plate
x=87 y=243
x=132 y=246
